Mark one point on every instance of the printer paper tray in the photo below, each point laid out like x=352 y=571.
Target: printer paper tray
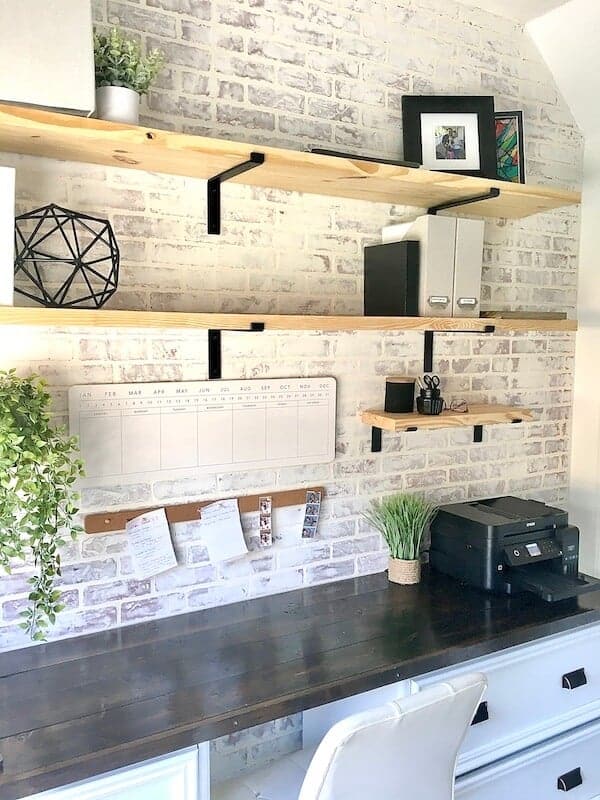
x=551 y=586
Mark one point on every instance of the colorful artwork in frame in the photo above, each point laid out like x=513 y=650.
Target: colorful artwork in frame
x=509 y=146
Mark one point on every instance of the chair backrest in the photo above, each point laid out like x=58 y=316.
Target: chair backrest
x=405 y=750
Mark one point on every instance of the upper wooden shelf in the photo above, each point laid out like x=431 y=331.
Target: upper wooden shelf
x=105 y=318
x=43 y=133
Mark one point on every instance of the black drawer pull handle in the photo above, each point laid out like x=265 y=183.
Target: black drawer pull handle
x=569 y=780
x=482 y=713
x=571 y=680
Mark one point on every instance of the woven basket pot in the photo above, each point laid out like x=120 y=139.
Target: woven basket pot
x=405 y=572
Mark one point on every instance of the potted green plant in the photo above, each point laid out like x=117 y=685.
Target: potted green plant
x=38 y=468
x=123 y=74
x=402 y=519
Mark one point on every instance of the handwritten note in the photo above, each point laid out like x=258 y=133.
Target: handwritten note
x=221 y=530
x=150 y=544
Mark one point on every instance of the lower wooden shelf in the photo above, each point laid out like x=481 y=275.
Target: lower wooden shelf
x=477 y=416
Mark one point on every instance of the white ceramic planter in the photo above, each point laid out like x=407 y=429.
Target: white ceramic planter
x=7 y=235
x=118 y=104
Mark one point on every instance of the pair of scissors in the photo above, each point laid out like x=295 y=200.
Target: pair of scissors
x=432 y=381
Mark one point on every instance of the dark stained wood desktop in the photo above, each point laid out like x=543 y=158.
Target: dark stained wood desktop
x=83 y=706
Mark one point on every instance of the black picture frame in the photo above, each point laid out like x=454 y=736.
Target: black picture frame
x=415 y=106
x=517 y=116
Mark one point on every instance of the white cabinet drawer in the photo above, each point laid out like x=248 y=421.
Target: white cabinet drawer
x=526 y=701
x=570 y=761
x=179 y=776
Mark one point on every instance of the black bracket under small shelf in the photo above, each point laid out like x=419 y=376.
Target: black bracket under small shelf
x=214 y=189
x=428 y=345
x=376 y=440
x=493 y=193
x=214 y=347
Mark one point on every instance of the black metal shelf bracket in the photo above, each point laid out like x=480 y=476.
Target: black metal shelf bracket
x=493 y=193
x=428 y=352
x=214 y=189
x=478 y=434
x=428 y=345
x=214 y=347
x=376 y=440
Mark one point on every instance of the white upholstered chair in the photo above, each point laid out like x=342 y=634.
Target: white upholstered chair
x=404 y=750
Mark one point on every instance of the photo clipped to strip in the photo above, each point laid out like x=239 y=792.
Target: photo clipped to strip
x=311 y=515
x=265 y=505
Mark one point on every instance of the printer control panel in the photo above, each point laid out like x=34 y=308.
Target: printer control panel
x=528 y=552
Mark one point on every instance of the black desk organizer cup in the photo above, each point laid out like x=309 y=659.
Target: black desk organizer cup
x=430 y=400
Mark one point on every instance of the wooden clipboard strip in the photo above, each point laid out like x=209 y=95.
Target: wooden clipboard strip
x=115 y=521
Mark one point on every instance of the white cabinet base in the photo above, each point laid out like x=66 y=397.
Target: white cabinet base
x=534 y=774
x=527 y=703
x=181 y=776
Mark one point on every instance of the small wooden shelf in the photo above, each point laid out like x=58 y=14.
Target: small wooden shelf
x=105 y=318
x=70 y=138
x=476 y=415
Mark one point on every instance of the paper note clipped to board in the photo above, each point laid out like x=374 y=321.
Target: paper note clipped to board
x=150 y=544
x=221 y=530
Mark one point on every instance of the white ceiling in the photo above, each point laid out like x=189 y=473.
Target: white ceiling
x=523 y=10
x=568 y=40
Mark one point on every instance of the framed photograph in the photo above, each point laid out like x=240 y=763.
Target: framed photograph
x=450 y=134
x=510 y=153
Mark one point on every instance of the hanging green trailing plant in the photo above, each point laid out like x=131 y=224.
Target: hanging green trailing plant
x=38 y=467
x=402 y=519
x=120 y=62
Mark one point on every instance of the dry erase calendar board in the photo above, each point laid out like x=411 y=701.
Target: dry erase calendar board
x=162 y=430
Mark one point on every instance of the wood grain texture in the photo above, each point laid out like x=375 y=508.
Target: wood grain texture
x=113 y=521
x=524 y=315
x=42 y=133
x=476 y=415
x=105 y=318
x=76 y=708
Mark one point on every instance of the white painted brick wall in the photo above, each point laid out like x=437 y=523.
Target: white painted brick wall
x=529 y=370
x=298 y=73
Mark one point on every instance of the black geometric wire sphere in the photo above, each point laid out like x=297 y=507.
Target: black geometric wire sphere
x=65 y=259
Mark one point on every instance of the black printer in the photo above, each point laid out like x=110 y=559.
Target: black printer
x=509 y=545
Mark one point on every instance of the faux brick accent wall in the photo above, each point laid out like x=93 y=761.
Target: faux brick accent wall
x=286 y=252
x=298 y=74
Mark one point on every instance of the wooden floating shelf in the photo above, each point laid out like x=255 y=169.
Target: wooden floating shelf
x=42 y=133
x=475 y=416
x=105 y=318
